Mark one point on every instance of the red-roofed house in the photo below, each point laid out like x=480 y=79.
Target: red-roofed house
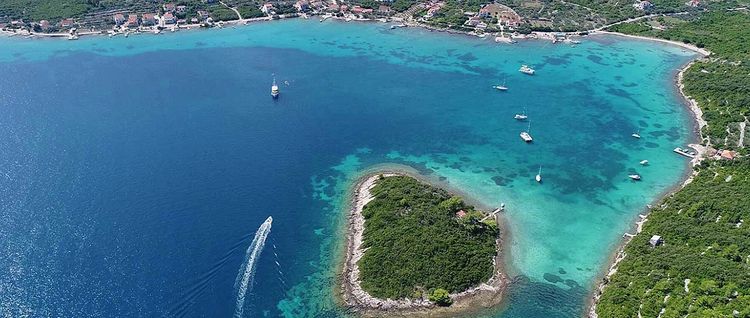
x=460 y=213
x=169 y=7
x=383 y=9
x=132 y=21
x=357 y=9
x=344 y=8
x=119 y=19
x=169 y=18
x=728 y=154
x=66 y=23
x=148 y=19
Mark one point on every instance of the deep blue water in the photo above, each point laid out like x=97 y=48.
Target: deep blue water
x=136 y=171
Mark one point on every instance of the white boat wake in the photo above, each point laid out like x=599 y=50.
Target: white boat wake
x=244 y=282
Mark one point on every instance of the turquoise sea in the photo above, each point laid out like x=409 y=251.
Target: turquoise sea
x=135 y=172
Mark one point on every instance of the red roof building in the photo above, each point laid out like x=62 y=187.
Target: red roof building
x=460 y=214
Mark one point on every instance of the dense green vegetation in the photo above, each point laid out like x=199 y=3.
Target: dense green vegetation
x=45 y=9
x=703 y=269
x=706 y=240
x=721 y=84
x=417 y=245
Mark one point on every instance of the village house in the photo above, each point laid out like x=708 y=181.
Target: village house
x=119 y=19
x=460 y=214
x=66 y=23
x=169 y=18
x=302 y=6
x=132 y=21
x=169 y=7
x=344 y=8
x=194 y=20
x=202 y=15
x=642 y=5
x=433 y=9
x=148 y=19
x=317 y=5
x=693 y=3
x=473 y=21
x=267 y=9
x=357 y=10
x=384 y=9
x=181 y=9
x=367 y=11
x=333 y=7
x=503 y=14
x=44 y=25
x=655 y=241
x=726 y=155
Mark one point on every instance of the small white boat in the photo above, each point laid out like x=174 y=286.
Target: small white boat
x=521 y=116
x=636 y=135
x=644 y=162
x=635 y=177
x=274 y=89
x=526 y=70
x=539 y=175
x=501 y=87
x=526 y=136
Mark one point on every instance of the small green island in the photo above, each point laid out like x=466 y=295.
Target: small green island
x=413 y=247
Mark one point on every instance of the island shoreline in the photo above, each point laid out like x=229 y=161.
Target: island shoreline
x=487 y=295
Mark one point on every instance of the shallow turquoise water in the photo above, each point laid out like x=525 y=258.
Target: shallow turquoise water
x=137 y=170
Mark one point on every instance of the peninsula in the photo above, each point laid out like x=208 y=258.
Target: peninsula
x=416 y=249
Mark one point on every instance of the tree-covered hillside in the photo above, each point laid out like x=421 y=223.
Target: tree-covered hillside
x=703 y=267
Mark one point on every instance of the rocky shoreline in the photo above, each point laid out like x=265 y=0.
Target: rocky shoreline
x=484 y=296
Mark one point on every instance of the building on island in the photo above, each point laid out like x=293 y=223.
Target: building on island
x=460 y=214
x=655 y=241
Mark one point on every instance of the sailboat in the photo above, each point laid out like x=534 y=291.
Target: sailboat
x=525 y=135
x=539 y=175
x=501 y=87
x=274 y=89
